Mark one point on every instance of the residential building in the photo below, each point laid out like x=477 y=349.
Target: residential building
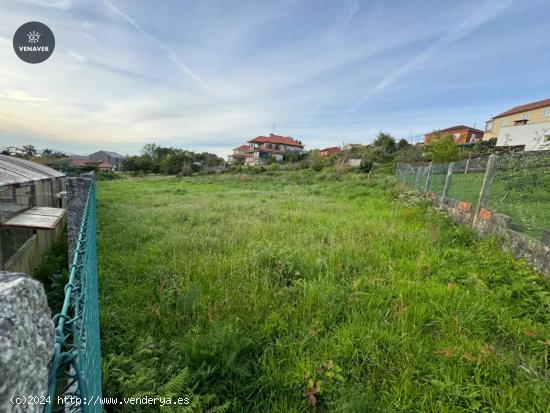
x=330 y=151
x=349 y=146
x=525 y=127
x=239 y=154
x=461 y=134
x=112 y=158
x=88 y=165
x=273 y=146
x=105 y=167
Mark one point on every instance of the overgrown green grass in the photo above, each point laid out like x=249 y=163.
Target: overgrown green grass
x=301 y=292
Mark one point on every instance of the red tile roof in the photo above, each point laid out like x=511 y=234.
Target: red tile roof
x=332 y=150
x=242 y=148
x=92 y=164
x=523 y=108
x=455 y=129
x=84 y=162
x=277 y=139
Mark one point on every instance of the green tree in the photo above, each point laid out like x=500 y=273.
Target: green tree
x=170 y=161
x=443 y=149
x=366 y=165
x=30 y=150
x=385 y=141
x=411 y=153
x=131 y=164
x=403 y=144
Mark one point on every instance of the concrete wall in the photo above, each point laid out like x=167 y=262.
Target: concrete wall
x=530 y=135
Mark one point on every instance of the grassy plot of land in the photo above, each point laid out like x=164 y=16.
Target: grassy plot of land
x=296 y=292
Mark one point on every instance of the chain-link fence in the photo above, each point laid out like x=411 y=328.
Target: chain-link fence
x=518 y=186
x=74 y=383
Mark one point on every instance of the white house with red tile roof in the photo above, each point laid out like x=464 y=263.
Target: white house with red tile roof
x=262 y=148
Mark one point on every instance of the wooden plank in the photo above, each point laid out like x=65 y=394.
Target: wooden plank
x=45 y=211
x=44 y=218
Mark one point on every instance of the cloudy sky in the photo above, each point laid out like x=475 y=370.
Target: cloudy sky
x=209 y=74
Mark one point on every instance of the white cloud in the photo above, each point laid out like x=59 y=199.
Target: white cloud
x=54 y=4
x=77 y=57
x=22 y=96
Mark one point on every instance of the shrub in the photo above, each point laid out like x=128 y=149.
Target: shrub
x=366 y=165
x=106 y=176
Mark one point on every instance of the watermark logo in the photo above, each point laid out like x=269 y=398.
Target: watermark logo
x=34 y=37
x=33 y=42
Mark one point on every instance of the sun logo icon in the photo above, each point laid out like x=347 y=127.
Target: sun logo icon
x=34 y=37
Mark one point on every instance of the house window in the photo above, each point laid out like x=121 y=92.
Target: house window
x=504 y=122
x=489 y=126
x=546 y=113
x=525 y=116
x=456 y=136
x=473 y=137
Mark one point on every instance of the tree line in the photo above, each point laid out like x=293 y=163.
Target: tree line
x=155 y=159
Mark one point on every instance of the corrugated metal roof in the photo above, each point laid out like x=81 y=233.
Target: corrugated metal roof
x=16 y=171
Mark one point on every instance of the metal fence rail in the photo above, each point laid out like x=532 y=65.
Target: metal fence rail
x=515 y=185
x=76 y=365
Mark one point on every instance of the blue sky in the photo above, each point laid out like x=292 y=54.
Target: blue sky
x=209 y=74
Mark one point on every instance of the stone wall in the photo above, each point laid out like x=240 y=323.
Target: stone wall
x=487 y=222
x=77 y=196
x=27 y=339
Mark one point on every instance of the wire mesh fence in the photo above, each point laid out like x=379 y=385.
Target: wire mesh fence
x=436 y=182
x=519 y=190
x=74 y=383
x=467 y=178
